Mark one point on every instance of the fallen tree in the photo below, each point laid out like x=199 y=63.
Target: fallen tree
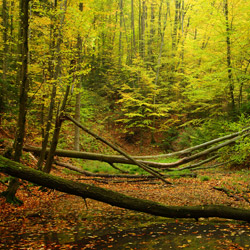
x=121 y=159
x=87 y=173
x=117 y=199
x=144 y=166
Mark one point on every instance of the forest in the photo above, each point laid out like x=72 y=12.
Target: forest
x=133 y=112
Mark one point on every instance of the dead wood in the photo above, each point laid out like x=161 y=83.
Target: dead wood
x=131 y=159
x=117 y=199
x=120 y=159
x=145 y=177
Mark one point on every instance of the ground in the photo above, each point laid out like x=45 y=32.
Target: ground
x=49 y=219
x=53 y=220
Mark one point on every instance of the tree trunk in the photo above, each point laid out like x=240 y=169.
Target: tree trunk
x=117 y=199
x=175 y=26
x=120 y=159
x=128 y=157
x=120 y=36
x=79 y=86
x=23 y=96
x=53 y=75
x=142 y=30
x=55 y=138
x=58 y=125
x=133 y=45
x=3 y=88
x=229 y=62
x=151 y=33
x=5 y=38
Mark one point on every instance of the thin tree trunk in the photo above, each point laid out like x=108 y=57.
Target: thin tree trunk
x=151 y=33
x=158 y=65
x=11 y=37
x=183 y=152
x=59 y=120
x=143 y=30
x=5 y=38
x=79 y=86
x=124 y=175
x=139 y=28
x=229 y=55
x=175 y=26
x=241 y=81
x=133 y=44
x=53 y=75
x=120 y=36
x=3 y=88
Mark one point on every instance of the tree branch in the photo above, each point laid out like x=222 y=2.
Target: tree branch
x=139 y=164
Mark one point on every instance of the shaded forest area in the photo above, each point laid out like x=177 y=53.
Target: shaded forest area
x=139 y=92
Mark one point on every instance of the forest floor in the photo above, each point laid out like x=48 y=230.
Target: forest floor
x=53 y=220
x=49 y=219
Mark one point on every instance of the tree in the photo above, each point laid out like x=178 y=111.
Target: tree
x=79 y=89
x=54 y=71
x=23 y=82
x=117 y=199
x=229 y=62
x=4 y=54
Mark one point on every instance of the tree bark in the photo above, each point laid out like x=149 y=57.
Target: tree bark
x=229 y=55
x=120 y=159
x=79 y=93
x=120 y=35
x=58 y=123
x=55 y=44
x=23 y=96
x=117 y=199
x=5 y=38
x=3 y=88
x=145 y=177
x=133 y=44
x=128 y=157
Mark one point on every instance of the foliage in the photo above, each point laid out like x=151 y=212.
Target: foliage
x=205 y=178
x=203 y=132
x=238 y=154
x=169 y=137
x=148 y=66
x=61 y=216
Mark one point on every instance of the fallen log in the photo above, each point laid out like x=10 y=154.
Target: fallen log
x=195 y=165
x=87 y=173
x=144 y=166
x=191 y=149
x=120 y=159
x=117 y=199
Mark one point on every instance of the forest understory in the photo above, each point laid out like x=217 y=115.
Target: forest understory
x=54 y=220
x=49 y=219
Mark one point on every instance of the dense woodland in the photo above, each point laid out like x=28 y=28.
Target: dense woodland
x=142 y=75
x=147 y=66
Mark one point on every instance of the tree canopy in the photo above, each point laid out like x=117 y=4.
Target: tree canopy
x=141 y=66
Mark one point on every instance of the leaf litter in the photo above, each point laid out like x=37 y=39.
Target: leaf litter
x=53 y=220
